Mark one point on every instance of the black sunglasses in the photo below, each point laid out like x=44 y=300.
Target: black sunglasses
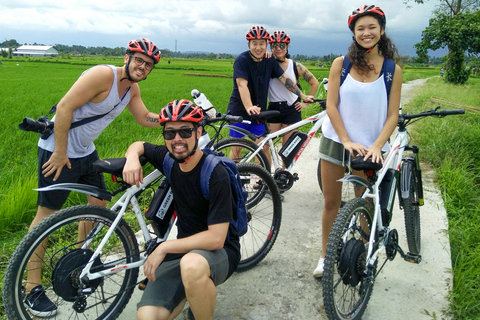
x=184 y=133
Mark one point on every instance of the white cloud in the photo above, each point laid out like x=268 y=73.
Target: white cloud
x=205 y=25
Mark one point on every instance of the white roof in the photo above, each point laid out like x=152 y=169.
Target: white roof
x=45 y=48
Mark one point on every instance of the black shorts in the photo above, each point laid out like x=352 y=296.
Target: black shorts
x=82 y=171
x=288 y=114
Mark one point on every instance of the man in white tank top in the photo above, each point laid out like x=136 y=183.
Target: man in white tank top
x=68 y=154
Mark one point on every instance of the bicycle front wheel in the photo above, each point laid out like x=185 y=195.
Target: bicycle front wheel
x=239 y=150
x=61 y=237
x=411 y=208
x=348 y=192
x=264 y=208
x=347 y=285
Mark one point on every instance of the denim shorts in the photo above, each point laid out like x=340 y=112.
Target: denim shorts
x=82 y=171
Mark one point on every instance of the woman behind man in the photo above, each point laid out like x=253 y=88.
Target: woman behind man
x=280 y=98
x=361 y=114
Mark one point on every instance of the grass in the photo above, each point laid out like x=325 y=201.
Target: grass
x=32 y=87
x=451 y=146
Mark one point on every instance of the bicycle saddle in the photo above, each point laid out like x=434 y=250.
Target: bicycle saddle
x=114 y=166
x=359 y=164
x=265 y=115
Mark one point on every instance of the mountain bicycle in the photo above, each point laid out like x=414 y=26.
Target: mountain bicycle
x=361 y=230
x=288 y=155
x=94 y=276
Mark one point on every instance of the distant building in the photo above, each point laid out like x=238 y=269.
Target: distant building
x=35 y=51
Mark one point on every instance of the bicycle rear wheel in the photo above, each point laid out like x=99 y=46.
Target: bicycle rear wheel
x=411 y=208
x=347 y=286
x=244 y=149
x=348 y=192
x=63 y=261
x=264 y=208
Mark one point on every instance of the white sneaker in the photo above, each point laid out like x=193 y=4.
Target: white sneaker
x=318 y=272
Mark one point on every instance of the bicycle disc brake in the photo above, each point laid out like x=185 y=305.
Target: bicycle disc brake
x=284 y=179
x=392 y=244
x=66 y=275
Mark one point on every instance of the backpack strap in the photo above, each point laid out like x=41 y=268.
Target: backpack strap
x=168 y=165
x=388 y=71
x=211 y=161
x=90 y=119
x=346 y=66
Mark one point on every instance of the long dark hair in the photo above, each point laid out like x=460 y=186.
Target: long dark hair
x=356 y=53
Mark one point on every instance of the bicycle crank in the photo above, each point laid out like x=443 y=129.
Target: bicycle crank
x=284 y=179
x=391 y=244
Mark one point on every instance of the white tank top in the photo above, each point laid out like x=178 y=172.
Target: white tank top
x=363 y=108
x=277 y=91
x=80 y=139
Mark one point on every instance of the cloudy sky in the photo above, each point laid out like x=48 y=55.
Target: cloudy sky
x=317 y=27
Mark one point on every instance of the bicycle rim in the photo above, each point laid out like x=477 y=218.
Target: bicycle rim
x=63 y=261
x=346 y=286
x=245 y=149
x=264 y=212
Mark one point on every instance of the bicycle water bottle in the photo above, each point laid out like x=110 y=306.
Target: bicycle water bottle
x=204 y=140
x=201 y=100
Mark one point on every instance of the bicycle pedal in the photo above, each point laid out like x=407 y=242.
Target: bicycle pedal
x=295 y=176
x=143 y=284
x=413 y=258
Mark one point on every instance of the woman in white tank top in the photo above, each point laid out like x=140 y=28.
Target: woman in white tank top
x=360 y=116
x=279 y=97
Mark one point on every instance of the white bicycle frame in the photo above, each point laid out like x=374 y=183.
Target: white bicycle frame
x=128 y=197
x=393 y=160
x=316 y=119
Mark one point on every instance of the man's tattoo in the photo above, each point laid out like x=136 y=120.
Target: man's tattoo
x=306 y=75
x=150 y=119
x=292 y=86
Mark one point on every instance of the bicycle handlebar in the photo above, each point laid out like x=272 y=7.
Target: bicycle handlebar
x=226 y=117
x=436 y=112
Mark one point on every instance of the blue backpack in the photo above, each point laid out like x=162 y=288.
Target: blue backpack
x=388 y=71
x=240 y=222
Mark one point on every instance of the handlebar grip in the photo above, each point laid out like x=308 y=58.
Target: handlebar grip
x=233 y=119
x=450 y=112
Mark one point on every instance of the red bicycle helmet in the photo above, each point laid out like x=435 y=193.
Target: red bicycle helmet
x=180 y=110
x=365 y=10
x=279 y=37
x=146 y=47
x=257 y=32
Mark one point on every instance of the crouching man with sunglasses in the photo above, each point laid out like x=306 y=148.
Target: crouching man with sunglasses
x=190 y=267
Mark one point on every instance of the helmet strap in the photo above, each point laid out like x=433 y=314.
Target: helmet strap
x=255 y=59
x=362 y=48
x=127 y=71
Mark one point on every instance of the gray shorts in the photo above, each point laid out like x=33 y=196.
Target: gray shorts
x=333 y=152
x=167 y=290
x=82 y=171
